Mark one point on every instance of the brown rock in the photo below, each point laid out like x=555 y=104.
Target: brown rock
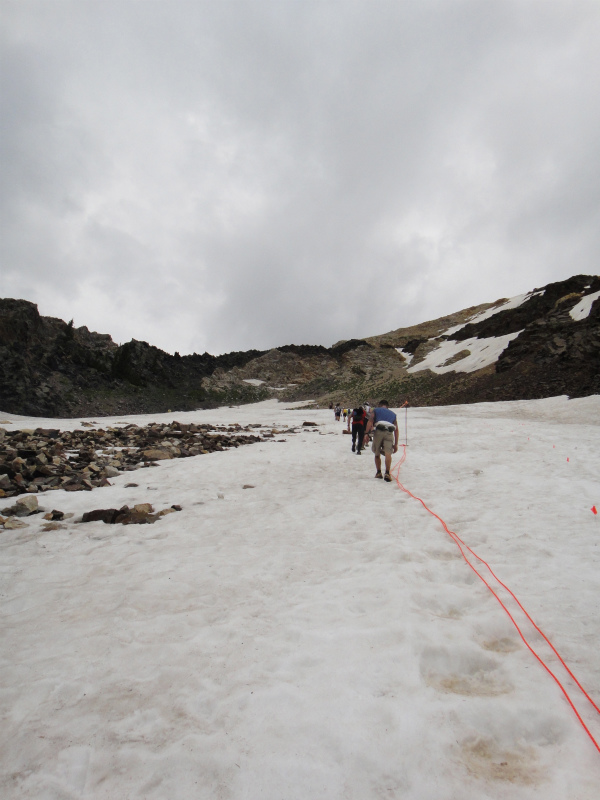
x=26 y=506
x=12 y=523
x=107 y=515
x=143 y=508
x=165 y=511
x=154 y=454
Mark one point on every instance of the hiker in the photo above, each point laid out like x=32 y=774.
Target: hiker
x=384 y=425
x=344 y=413
x=357 y=419
x=337 y=411
x=367 y=408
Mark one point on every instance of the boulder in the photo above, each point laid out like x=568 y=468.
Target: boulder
x=154 y=454
x=143 y=508
x=26 y=505
x=108 y=515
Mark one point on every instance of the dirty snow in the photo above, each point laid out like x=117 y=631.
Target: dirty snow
x=253 y=381
x=317 y=635
x=584 y=306
x=483 y=352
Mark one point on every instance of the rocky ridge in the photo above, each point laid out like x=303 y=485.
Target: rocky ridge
x=50 y=368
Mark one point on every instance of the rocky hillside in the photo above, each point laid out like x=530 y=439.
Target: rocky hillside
x=541 y=344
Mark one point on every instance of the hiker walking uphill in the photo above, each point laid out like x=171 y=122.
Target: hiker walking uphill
x=357 y=419
x=384 y=425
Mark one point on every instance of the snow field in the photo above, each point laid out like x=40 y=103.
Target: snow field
x=318 y=635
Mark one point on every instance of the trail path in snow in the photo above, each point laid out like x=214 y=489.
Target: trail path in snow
x=318 y=635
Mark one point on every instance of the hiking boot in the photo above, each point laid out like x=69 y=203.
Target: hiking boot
x=358 y=452
x=353 y=447
x=378 y=474
x=387 y=477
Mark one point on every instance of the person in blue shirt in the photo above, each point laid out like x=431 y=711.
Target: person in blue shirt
x=384 y=425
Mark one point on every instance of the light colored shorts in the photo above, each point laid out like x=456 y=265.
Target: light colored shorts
x=383 y=442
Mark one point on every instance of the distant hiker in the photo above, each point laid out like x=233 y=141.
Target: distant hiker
x=337 y=411
x=384 y=425
x=367 y=408
x=344 y=413
x=358 y=420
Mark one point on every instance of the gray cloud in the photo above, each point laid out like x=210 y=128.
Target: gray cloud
x=230 y=175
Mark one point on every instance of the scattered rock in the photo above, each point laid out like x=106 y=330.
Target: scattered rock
x=108 y=515
x=53 y=526
x=143 y=508
x=45 y=459
x=23 y=507
x=309 y=424
x=12 y=523
x=248 y=486
x=140 y=514
x=156 y=455
x=28 y=504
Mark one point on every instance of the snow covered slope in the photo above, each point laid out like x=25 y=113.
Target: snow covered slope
x=317 y=635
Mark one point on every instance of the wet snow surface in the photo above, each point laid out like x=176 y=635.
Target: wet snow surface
x=318 y=635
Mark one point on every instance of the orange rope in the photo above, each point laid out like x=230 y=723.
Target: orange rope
x=462 y=546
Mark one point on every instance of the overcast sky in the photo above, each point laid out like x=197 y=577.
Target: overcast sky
x=233 y=174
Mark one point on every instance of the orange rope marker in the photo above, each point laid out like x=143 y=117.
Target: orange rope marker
x=464 y=547
x=594 y=510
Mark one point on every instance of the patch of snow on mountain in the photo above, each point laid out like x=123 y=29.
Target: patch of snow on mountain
x=483 y=352
x=253 y=381
x=584 y=306
x=514 y=302
x=408 y=356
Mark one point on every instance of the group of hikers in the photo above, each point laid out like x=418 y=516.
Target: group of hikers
x=380 y=424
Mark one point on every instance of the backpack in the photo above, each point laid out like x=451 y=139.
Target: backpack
x=358 y=416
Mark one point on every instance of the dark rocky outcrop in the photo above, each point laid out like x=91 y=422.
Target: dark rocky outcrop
x=553 y=301
x=50 y=368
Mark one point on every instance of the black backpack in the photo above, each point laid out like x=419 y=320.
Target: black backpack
x=358 y=416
